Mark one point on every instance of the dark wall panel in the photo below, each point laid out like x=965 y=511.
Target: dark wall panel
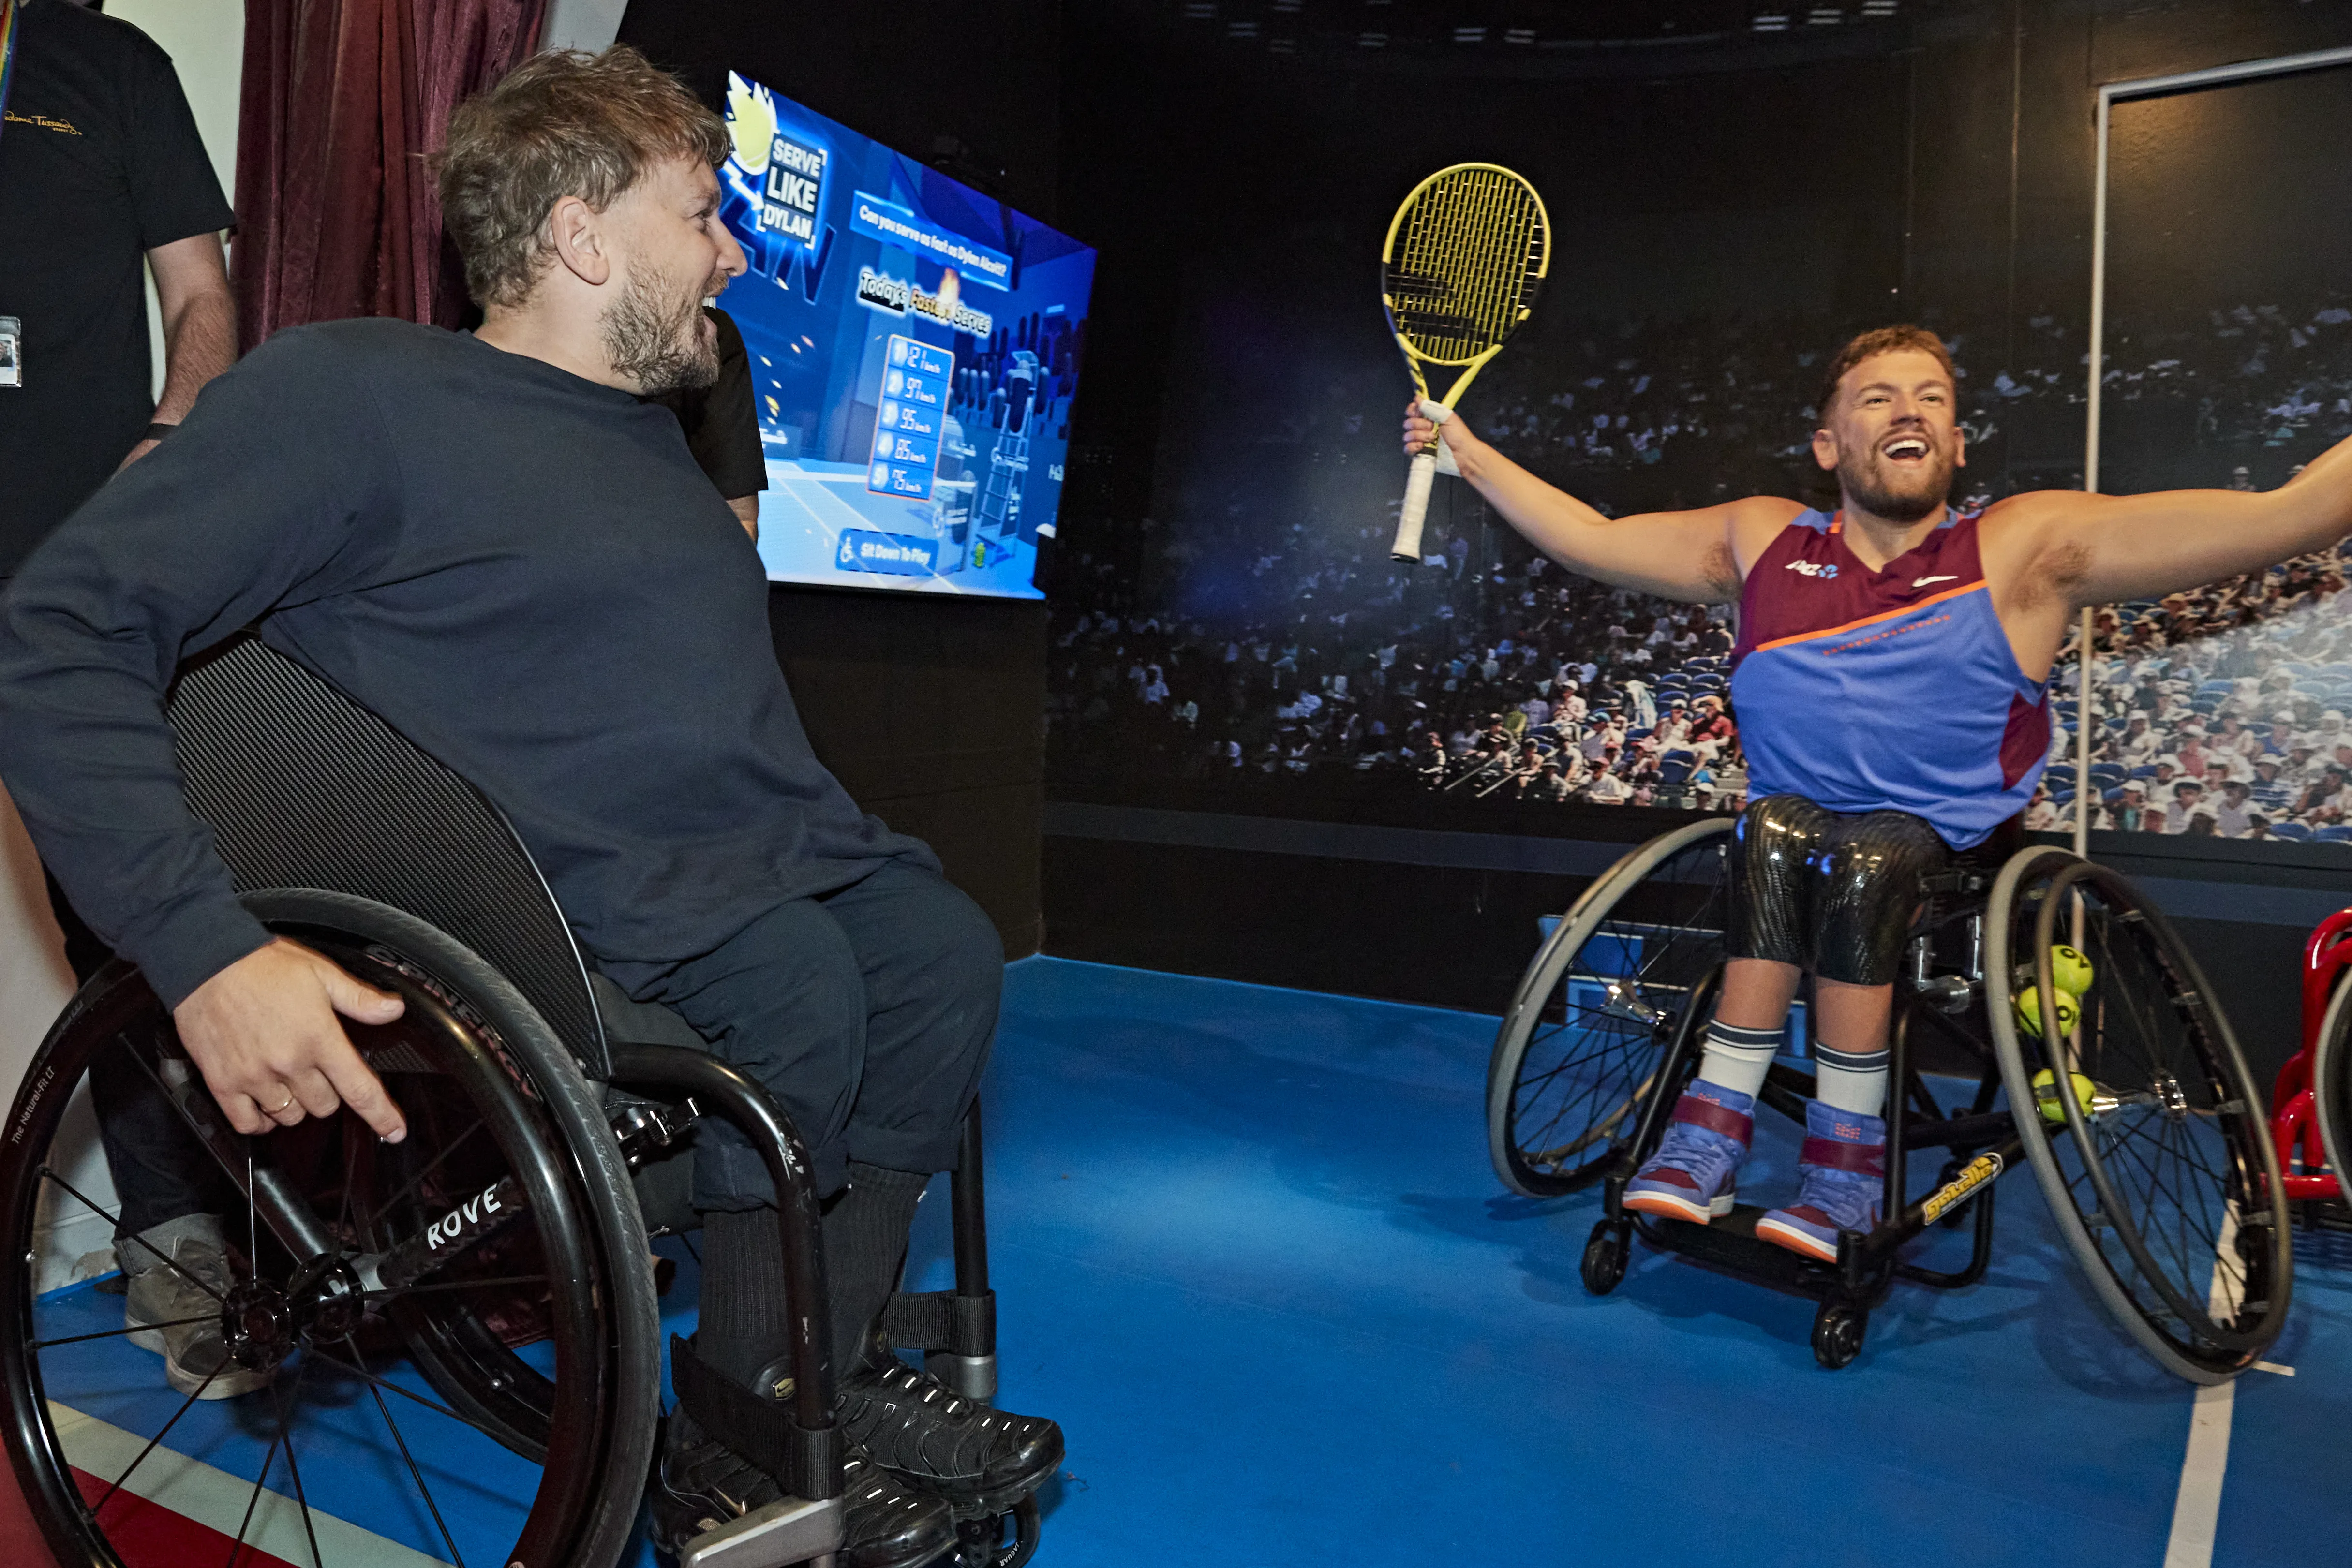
x=928 y=710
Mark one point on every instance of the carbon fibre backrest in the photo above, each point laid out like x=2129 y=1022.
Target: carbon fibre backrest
x=304 y=787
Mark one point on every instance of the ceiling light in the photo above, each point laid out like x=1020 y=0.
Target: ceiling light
x=1770 y=22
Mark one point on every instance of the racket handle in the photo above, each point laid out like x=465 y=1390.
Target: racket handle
x=1416 y=507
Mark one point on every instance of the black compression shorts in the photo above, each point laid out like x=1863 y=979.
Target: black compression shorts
x=1828 y=892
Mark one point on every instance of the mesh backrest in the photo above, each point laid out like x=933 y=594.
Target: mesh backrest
x=304 y=787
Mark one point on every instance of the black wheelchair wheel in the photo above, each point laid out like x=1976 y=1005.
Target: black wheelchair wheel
x=1839 y=1328
x=2151 y=1146
x=466 y=1317
x=2331 y=1083
x=1583 y=1037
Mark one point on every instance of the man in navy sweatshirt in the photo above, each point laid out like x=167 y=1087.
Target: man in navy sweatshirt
x=489 y=540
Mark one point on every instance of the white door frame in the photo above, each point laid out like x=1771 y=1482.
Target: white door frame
x=2110 y=93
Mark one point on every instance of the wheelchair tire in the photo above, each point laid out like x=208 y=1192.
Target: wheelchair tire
x=579 y=1408
x=1548 y=1134
x=2166 y=1188
x=2331 y=1083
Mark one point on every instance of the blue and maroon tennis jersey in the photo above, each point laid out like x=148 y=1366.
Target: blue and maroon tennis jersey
x=1893 y=690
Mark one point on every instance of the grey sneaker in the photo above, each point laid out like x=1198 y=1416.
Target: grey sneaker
x=175 y=1306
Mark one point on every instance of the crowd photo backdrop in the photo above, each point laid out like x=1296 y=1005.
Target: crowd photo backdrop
x=1240 y=626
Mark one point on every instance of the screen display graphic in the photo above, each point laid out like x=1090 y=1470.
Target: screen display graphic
x=915 y=348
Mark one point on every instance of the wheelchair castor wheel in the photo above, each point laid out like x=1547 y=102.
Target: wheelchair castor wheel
x=1838 y=1329
x=1604 y=1257
x=982 y=1543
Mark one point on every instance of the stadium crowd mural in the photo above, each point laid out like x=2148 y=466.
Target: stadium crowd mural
x=1266 y=636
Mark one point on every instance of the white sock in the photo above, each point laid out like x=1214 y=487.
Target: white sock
x=1850 y=1081
x=1737 y=1059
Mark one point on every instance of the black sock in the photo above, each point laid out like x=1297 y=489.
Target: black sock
x=745 y=1325
x=865 y=1252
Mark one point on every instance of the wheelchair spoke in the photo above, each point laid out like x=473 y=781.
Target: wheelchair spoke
x=415 y=1474
x=431 y=1166
x=433 y=1405
x=52 y=1176
x=285 y=1411
x=118 y=1333
x=236 y=1547
x=185 y=1405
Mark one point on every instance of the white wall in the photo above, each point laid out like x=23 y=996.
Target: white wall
x=582 y=24
x=206 y=39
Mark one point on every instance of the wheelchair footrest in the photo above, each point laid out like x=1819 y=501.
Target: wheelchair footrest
x=1731 y=1244
x=942 y=1321
x=790 y=1530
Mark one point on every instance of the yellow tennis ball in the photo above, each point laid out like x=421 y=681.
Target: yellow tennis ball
x=2070 y=971
x=2045 y=1095
x=2027 y=1008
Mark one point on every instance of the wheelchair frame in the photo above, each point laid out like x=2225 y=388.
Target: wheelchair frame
x=306 y=792
x=2302 y=1116
x=1868 y=1265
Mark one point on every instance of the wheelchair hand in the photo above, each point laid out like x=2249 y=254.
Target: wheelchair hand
x=263 y=1032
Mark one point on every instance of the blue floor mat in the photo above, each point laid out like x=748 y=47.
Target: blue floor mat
x=1249 y=1253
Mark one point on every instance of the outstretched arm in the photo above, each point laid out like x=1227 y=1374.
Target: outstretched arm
x=1699 y=555
x=2095 y=550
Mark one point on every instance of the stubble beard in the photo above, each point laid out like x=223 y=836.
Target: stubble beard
x=1878 y=494
x=655 y=336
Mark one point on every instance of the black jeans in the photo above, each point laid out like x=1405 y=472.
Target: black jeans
x=868 y=1011
x=161 y=1171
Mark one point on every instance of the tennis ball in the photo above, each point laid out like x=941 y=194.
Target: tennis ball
x=2045 y=1095
x=2070 y=971
x=2028 y=1010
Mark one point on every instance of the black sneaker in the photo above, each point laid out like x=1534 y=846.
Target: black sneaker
x=702 y=1484
x=980 y=1460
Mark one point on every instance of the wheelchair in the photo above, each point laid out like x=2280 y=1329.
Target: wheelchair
x=2311 y=1100
x=2141 y=1122
x=469 y=1317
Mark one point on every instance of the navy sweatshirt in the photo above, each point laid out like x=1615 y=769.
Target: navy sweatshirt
x=524 y=572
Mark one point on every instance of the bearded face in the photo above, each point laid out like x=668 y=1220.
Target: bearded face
x=655 y=331
x=1893 y=438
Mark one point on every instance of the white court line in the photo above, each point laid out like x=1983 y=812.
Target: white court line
x=215 y=1497
x=2197 y=1507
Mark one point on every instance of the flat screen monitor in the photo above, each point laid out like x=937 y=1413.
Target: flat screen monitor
x=914 y=349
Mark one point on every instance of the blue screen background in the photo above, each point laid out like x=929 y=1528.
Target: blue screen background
x=851 y=245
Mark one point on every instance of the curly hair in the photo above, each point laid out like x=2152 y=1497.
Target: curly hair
x=564 y=123
x=1880 y=340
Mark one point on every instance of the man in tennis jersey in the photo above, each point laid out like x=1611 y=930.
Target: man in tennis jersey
x=1891 y=681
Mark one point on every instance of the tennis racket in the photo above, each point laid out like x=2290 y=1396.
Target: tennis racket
x=1460 y=269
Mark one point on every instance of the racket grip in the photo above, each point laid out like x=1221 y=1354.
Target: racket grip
x=1416 y=507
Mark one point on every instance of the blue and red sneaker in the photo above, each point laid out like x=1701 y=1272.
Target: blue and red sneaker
x=1695 y=1172
x=1841 y=1173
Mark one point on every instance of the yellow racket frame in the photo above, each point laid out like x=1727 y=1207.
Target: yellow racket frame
x=1416 y=500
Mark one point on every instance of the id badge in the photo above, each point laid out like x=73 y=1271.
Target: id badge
x=12 y=351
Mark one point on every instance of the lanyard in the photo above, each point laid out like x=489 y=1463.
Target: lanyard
x=12 y=12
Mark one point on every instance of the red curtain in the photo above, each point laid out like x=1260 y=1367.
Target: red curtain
x=342 y=100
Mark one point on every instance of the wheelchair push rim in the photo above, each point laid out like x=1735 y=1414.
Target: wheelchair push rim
x=497 y=1438
x=1580 y=1043
x=2164 y=1185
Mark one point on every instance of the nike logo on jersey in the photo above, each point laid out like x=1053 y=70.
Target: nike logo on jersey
x=1923 y=582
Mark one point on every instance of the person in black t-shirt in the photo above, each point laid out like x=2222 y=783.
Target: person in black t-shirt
x=100 y=168
x=722 y=426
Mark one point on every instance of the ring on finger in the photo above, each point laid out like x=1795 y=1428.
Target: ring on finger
x=280 y=1109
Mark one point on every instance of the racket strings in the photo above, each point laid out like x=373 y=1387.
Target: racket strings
x=1470 y=256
